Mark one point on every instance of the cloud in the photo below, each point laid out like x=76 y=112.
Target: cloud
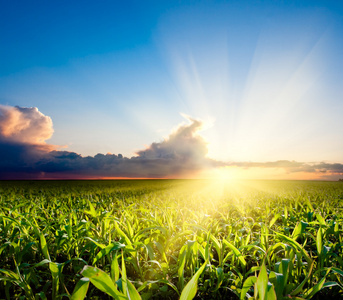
x=182 y=153
x=25 y=125
x=183 y=144
x=24 y=154
x=294 y=166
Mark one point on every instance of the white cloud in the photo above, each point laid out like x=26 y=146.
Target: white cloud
x=184 y=143
x=25 y=125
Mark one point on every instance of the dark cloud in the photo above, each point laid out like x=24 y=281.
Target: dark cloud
x=24 y=154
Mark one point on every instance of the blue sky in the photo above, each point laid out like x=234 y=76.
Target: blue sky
x=264 y=76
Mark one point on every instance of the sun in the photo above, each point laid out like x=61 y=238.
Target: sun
x=224 y=174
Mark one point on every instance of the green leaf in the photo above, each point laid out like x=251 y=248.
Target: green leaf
x=42 y=295
x=5 y=278
x=238 y=253
x=319 y=241
x=189 y=292
x=284 y=269
x=181 y=262
x=271 y=295
x=41 y=263
x=123 y=276
x=299 y=229
x=248 y=283
x=102 y=246
x=338 y=271
x=321 y=219
x=102 y=281
x=310 y=293
x=91 y=210
x=11 y=275
x=132 y=292
x=277 y=279
x=54 y=269
x=166 y=282
x=108 y=249
x=297 y=246
x=80 y=289
x=218 y=247
x=262 y=282
x=44 y=246
x=150 y=251
x=273 y=220
x=220 y=276
x=299 y=288
x=115 y=269
x=330 y=283
x=122 y=234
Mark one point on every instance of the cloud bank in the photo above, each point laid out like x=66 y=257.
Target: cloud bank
x=24 y=154
x=294 y=166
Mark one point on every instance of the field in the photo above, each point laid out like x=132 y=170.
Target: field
x=171 y=239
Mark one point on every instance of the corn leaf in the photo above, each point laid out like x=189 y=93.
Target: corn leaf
x=80 y=289
x=262 y=282
x=44 y=246
x=108 y=249
x=189 y=292
x=248 y=283
x=102 y=281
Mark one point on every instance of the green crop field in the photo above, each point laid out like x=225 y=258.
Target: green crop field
x=171 y=239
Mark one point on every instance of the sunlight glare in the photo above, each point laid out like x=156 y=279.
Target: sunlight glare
x=260 y=110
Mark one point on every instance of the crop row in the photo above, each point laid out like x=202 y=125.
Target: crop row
x=171 y=240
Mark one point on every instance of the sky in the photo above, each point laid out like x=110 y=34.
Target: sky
x=171 y=89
